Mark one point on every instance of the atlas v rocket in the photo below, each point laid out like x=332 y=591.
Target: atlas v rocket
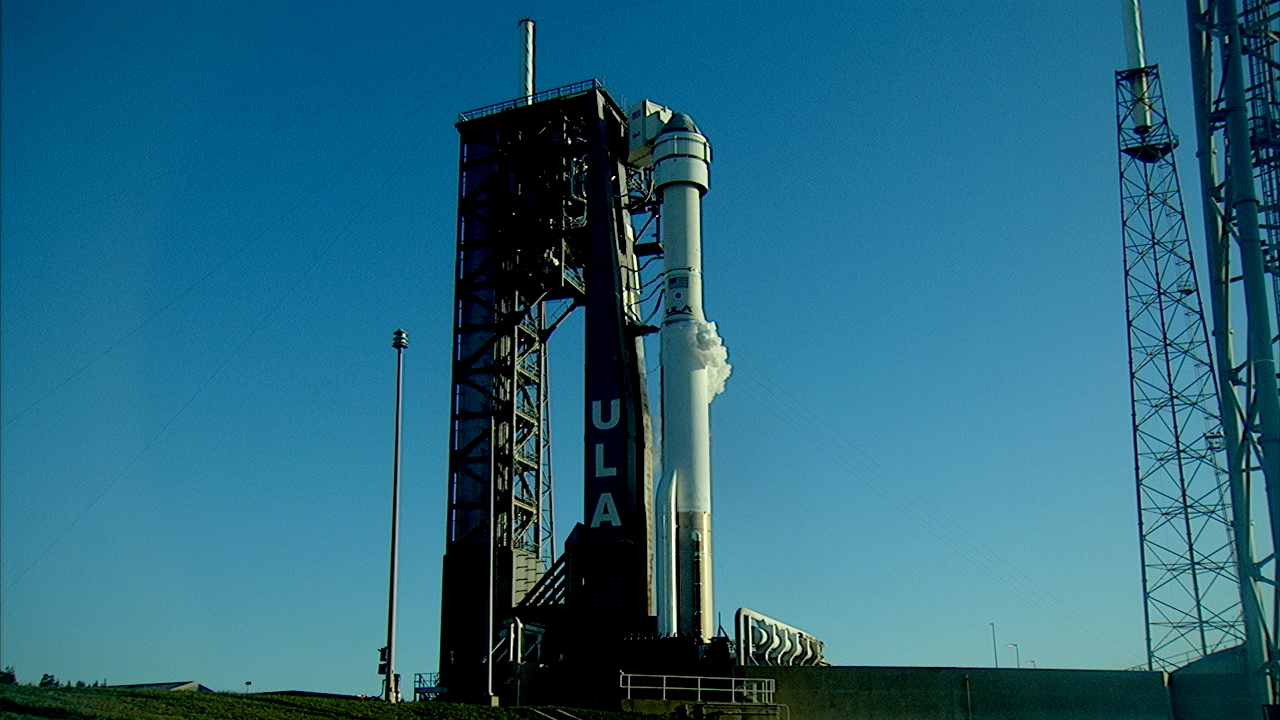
x=693 y=372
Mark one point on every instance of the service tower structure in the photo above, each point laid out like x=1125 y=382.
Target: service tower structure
x=1237 y=113
x=542 y=230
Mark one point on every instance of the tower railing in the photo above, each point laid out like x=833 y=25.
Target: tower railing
x=565 y=91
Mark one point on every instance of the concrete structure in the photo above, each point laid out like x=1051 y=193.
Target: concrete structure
x=1212 y=688
x=911 y=693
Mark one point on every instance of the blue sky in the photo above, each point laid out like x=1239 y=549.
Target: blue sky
x=215 y=213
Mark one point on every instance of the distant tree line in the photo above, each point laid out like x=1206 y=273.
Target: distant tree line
x=9 y=676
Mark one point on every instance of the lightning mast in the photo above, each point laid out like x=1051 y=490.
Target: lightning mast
x=1191 y=602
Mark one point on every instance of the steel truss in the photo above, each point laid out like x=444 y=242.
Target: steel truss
x=1192 y=603
x=1238 y=116
x=1259 y=30
x=520 y=245
x=542 y=218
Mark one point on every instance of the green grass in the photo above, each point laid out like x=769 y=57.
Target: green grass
x=19 y=702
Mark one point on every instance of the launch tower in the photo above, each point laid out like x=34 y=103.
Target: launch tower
x=542 y=216
x=1234 y=78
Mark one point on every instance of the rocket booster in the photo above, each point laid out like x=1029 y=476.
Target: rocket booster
x=693 y=372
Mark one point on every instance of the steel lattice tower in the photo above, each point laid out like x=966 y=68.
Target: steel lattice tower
x=1258 y=27
x=1236 y=130
x=1191 y=595
x=498 y=538
x=541 y=223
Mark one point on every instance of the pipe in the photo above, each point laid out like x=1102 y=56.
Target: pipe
x=1135 y=49
x=1136 y=58
x=526 y=64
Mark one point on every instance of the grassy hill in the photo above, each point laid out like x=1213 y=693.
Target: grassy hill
x=18 y=702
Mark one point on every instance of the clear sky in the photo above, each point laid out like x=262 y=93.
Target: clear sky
x=215 y=213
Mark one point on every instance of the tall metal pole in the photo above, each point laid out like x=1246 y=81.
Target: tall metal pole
x=492 y=549
x=399 y=341
x=526 y=66
x=995 y=650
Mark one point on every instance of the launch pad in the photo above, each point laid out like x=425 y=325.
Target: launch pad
x=552 y=187
x=549 y=184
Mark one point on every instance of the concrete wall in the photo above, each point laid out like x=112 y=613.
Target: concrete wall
x=1213 y=688
x=880 y=693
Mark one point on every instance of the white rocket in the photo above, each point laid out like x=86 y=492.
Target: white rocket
x=694 y=370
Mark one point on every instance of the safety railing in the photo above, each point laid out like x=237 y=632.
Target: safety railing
x=717 y=690
x=426 y=686
x=578 y=88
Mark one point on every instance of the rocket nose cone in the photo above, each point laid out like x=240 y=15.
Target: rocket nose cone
x=680 y=121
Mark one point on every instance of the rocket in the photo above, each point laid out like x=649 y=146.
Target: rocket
x=693 y=370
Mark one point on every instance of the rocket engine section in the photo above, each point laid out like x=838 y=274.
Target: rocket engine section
x=694 y=370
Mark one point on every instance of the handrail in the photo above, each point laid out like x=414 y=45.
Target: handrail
x=426 y=686
x=726 y=690
x=579 y=88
